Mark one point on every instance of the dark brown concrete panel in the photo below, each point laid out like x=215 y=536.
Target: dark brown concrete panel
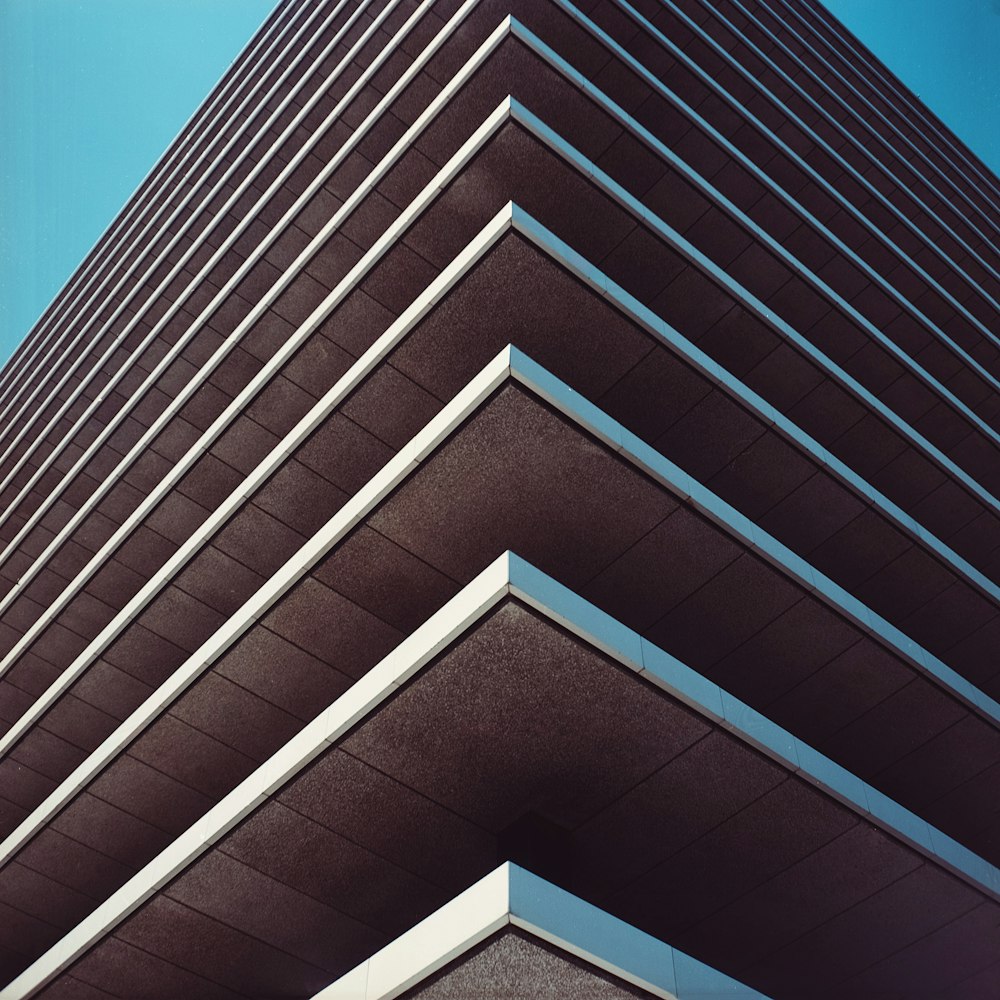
x=387 y=577
x=258 y=540
x=664 y=403
x=358 y=639
x=873 y=302
x=510 y=964
x=680 y=828
x=281 y=673
x=734 y=593
x=110 y=252
x=146 y=401
x=868 y=364
x=142 y=655
x=590 y=527
x=137 y=973
x=22 y=784
x=306 y=616
x=382 y=896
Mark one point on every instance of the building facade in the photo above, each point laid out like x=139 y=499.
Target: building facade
x=510 y=507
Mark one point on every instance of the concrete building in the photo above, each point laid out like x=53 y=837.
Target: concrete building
x=510 y=507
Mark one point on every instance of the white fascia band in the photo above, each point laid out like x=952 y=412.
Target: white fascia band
x=176 y=305
x=786 y=25
x=510 y=365
x=75 y=350
x=264 y=376
x=860 y=143
x=203 y=373
x=545 y=240
x=587 y=273
x=833 y=123
x=511 y=896
x=121 y=228
x=734 y=386
x=507 y=575
x=916 y=149
x=546 y=135
x=822 y=288
x=344 y=386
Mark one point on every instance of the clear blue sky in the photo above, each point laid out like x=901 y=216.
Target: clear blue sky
x=946 y=51
x=92 y=92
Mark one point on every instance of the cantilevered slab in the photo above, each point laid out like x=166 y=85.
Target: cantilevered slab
x=689 y=815
x=902 y=583
x=743 y=332
x=726 y=442
x=530 y=454
x=512 y=935
x=900 y=570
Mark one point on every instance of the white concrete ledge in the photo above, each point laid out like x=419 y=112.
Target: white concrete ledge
x=257 y=384
x=511 y=363
x=175 y=306
x=512 y=897
x=507 y=575
x=509 y=110
x=835 y=299
x=881 y=116
x=865 y=149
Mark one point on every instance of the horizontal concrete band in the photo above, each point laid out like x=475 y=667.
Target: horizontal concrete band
x=895 y=95
x=511 y=364
x=614 y=190
x=957 y=201
x=182 y=397
x=507 y=576
x=597 y=280
x=176 y=167
x=508 y=582
x=38 y=707
x=135 y=452
x=724 y=280
x=861 y=142
x=257 y=384
x=512 y=896
x=862 y=148
x=130 y=281
x=751 y=534
x=740 y=109
x=777 y=249
x=784 y=559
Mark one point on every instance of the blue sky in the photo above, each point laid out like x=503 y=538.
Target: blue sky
x=946 y=51
x=93 y=91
